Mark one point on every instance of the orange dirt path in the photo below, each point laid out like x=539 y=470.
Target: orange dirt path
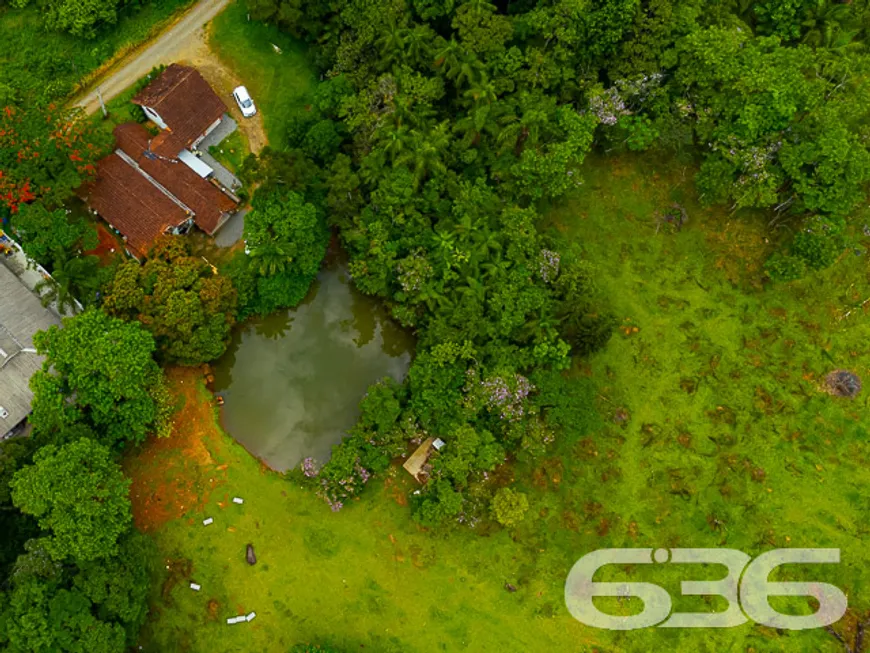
x=108 y=246
x=176 y=475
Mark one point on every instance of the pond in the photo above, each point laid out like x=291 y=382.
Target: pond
x=292 y=381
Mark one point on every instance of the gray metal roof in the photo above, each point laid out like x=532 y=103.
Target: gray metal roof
x=21 y=315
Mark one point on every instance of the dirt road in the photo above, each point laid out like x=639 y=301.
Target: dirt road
x=163 y=50
x=186 y=41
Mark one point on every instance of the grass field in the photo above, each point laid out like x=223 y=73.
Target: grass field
x=277 y=82
x=708 y=427
x=50 y=65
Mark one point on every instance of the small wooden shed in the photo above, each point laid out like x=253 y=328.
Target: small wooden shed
x=414 y=464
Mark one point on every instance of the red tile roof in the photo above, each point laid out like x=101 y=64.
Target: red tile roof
x=131 y=204
x=185 y=102
x=207 y=201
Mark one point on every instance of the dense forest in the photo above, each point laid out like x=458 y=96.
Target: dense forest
x=443 y=129
x=438 y=137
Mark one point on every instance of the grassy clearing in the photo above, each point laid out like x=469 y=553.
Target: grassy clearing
x=709 y=429
x=362 y=577
x=52 y=65
x=714 y=429
x=278 y=83
x=231 y=151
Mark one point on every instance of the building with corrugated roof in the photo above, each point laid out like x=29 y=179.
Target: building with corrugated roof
x=21 y=316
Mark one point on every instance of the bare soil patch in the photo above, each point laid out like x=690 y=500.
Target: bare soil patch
x=176 y=475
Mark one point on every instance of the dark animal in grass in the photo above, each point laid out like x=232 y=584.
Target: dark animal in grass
x=510 y=588
x=843 y=383
x=250 y=556
x=678 y=218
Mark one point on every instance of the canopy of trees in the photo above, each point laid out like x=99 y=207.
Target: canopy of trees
x=439 y=134
x=45 y=234
x=441 y=149
x=76 y=574
x=45 y=153
x=78 y=494
x=285 y=239
x=78 y=17
x=179 y=298
x=99 y=372
x=70 y=606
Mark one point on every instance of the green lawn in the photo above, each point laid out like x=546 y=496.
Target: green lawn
x=51 y=65
x=277 y=82
x=707 y=428
x=231 y=151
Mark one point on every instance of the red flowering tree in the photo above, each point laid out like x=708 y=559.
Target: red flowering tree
x=45 y=153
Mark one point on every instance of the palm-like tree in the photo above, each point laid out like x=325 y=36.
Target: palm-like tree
x=445 y=241
x=829 y=25
x=467 y=70
x=425 y=156
x=496 y=269
x=447 y=57
x=486 y=241
x=435 y=299
x=485 y=114
x=271 y=257
x=525 y=129
x=474 y=290
x=395 y=141
x=392 y=44
x=419 y=42
x=72 y=277
x=408 y=111
x=481 y=93
x=540 y=326
x=477 y=7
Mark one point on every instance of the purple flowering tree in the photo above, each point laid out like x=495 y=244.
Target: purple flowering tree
x=608 y=106
x=548 y=265
x=309 y=468
x=504 y=395
x=344 y=478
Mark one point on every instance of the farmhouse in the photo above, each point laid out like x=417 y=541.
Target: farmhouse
x=21 y=315
x=152 y=184
x=185 y=108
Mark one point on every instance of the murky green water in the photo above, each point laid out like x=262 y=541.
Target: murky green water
x=292 y=382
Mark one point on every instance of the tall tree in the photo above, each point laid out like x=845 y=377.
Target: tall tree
x=179 y=299
x=99 y=371
x=286 y=240
x=73 y=282
x=45 y=153
x=44 y=233
x=78 y=17
x=96 y=606
x=79 y=495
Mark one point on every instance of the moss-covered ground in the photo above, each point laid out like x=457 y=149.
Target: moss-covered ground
x=707 y=426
